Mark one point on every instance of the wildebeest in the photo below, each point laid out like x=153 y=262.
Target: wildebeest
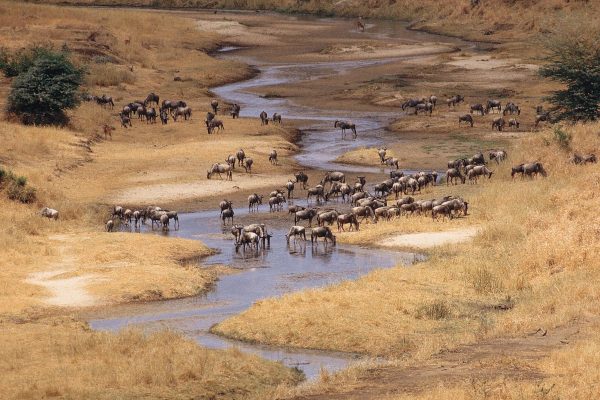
x=492 y=105
x=107 y=129
x=511 y=108
x=227 y=214
x=305 y=215
x=454 y=100
x=209 y=117
x=541 y=118
x=343 y=125
x=477 y=171
x=277 y=118
x=318 y=192
x=290 y=188
x=224 y=205
x=364 y=212
x=247 y=164
x=186 y=112
x=533 y=169
x=219 y=168
x=105 y=100
x=240 y=155
x=215 y=106
x=296 y=231
x=452 y=175
x=498 y=155
x=334 y=176
x=517 y=170
x=392 y=162
x=273 y=157
x=424 y=107
x=322 y=232
x=125 y=120
x=276 y=202
x=110 y=225
x=151 y=98
x=412 y=103
x=344 y=219
x=513 y=123
x=477 y=107
x=230 y=160
x=215 y=124
x=49 y=213
x=382 y=153
x=327 y=216
x=247 y=239
x=498 y=123
x=433 y=100
x=301 y=177
x=264 y=118
x=126 y=110
x=468 y=118
x=173 y=105
x=254 y=200
x=164 y=116
x=442 y=210
x=151 y=115
x=579 y=159
x=235 y=111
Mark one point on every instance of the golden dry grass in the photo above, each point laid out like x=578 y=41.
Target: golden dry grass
x=61 y=358
x=536 y=245
x=74 y=170
x=489 y=21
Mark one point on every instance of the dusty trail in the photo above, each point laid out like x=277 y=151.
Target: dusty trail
x=487 y=360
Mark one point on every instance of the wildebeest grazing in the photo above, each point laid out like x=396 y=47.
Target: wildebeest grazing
x=214 y=124
x=49 y=213
x=186 y=112
x=247 y=164
x=276 y=118
x=105 y=100
x=492 y=105
x=498 y=155
x=513 y=123
x=322 y=232
x=579 y=159
x=151 y=98
x=477 y=107
x=511 y=108
x=219 y=169
x=498 y=123
x=468 y=118
x=454 y=100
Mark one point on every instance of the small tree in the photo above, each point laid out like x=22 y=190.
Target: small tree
x=41 y=94
x=574 y=60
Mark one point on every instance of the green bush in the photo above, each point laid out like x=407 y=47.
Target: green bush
x=562 y=138
x=573 y=59
x=14 y=64
x=42 y=93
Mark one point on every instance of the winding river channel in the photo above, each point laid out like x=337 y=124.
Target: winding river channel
x=281 y=268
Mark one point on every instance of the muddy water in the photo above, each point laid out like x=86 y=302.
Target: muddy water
x=281 y=268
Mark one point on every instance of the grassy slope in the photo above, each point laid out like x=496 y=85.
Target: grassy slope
x=454 y=17
x=45 y=353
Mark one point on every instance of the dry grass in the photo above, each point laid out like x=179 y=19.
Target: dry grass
x=72 y=261
x=69 y=361
x=537 y=243
x=486 y=22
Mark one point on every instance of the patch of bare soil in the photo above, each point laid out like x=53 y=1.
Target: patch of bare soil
x=427 y=240
x=509 y=358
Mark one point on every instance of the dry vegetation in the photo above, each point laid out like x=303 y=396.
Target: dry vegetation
x=537 y=253
x=490 y=21
x=49 y=265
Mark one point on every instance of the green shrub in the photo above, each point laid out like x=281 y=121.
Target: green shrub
x=41 y=94
x=562 y=138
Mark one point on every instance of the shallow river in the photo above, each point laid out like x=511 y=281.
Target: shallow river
x=281 y=268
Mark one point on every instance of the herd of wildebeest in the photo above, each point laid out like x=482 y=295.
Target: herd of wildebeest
x=360 y=202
